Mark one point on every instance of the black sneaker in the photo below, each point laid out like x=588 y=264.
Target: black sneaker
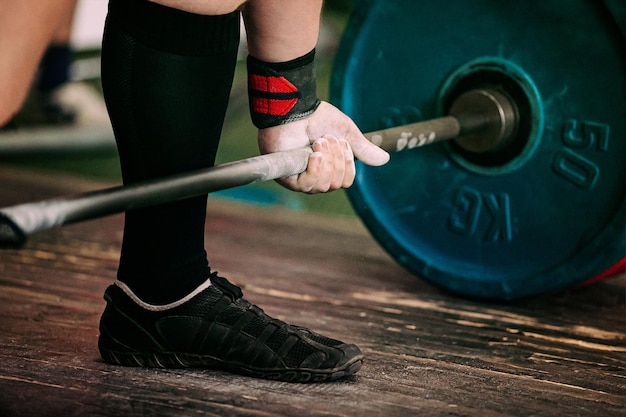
x=214 y=327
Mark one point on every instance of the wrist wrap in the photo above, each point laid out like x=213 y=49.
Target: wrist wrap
x=282 y=92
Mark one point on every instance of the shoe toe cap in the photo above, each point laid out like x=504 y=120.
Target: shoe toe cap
x=336 y=358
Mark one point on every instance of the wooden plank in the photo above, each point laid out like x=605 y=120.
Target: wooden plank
x=428 y=353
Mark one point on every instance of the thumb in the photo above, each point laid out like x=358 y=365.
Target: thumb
x=366 y=152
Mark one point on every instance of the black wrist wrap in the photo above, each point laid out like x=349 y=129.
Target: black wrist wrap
x=281 y=92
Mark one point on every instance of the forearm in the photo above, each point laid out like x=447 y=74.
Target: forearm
x=278 y=30
x=281 y=30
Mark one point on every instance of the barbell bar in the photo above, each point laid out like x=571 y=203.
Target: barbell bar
x=496 y=120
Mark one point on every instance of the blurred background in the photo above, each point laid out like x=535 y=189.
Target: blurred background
x=30 y=139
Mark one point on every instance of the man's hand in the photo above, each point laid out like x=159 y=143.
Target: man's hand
x=336 y=141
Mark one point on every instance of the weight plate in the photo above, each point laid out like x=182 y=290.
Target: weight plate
x=542 y=215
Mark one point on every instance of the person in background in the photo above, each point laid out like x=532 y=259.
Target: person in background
x=35 y=78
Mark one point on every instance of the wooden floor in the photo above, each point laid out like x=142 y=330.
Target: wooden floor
x=428 y=353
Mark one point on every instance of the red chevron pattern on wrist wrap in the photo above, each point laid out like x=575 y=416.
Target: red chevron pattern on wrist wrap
x=281 y=92
x=271 y=95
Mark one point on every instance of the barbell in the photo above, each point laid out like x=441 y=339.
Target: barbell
x=528 y=197
x=17 y=222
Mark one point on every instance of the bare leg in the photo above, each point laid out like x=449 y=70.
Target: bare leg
x=63 y=32
x=26 y=29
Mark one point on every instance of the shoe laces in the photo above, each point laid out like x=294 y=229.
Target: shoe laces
x=236 y=295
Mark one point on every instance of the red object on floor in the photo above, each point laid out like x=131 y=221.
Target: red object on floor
x=620 y=266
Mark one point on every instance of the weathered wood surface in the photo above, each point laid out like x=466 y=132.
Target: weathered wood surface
x=428 y=353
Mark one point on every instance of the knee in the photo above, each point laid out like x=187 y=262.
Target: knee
x=10 y=104
x=7 y=111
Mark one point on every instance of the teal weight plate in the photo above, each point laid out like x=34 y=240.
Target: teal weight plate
x=542 y=215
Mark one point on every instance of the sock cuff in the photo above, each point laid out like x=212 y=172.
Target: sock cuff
x=161 y=307
x=175 y=31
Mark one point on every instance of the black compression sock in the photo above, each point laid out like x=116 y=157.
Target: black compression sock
x=166 y=77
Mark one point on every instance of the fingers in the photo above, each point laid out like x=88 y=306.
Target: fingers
x=330 y=167
x=350 y=171
x=306 y=182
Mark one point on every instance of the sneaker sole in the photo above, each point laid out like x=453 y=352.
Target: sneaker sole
x=167 y=360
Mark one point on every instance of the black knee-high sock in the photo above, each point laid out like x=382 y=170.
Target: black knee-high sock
x=166 y=76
